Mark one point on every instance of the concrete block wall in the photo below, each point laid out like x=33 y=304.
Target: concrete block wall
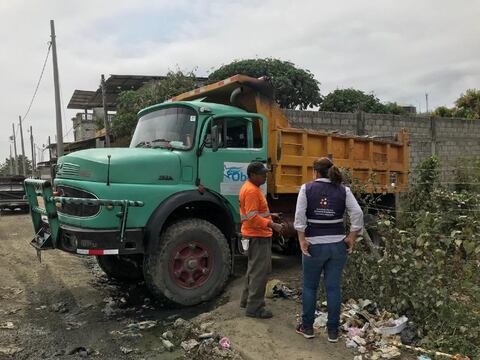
x=448 y=138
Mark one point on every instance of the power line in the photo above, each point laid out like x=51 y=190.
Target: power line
x=38 y=83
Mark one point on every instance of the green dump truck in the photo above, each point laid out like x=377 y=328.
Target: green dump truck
x=166 y=209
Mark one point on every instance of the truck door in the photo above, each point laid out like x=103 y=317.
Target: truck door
x=241 y=139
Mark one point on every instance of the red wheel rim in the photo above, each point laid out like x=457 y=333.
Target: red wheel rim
x=190 y=264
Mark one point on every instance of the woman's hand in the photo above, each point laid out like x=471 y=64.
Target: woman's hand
x=350 y=241
x=304 y=244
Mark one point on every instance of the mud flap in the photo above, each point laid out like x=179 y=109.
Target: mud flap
x=44 y=215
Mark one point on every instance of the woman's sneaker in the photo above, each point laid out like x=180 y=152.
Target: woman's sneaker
x=332 y=336
x=307 y=333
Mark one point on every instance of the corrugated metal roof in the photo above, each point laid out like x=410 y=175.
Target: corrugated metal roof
x=81 y=99
x=115 y=84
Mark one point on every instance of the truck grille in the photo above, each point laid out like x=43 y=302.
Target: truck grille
x=67 y=169
x=81 y=210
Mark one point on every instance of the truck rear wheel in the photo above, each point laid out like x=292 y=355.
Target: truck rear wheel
x=122 y=267
x=190 y=264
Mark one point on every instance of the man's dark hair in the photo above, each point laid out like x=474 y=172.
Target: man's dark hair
x=256 y=167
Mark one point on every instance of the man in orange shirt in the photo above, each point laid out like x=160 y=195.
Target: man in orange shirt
x=257 y=226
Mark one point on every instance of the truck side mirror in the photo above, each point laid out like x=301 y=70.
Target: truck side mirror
x=215 y=138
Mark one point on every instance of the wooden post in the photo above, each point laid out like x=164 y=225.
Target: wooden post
x=58 y=109
x=24 y=162
x=105 y=112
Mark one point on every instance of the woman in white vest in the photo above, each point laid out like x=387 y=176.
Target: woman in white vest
x=319 y=215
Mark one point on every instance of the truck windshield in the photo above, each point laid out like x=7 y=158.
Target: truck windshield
x=172 y=127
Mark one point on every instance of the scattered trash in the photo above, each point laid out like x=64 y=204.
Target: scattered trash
x=189 y=344
x=109 y=308
x=7 y=325
x=276 y=288
x=423 y=357
x=392 y=327
x=409 y=335
x=126 y=334
x=224 y=343
x=390 y=352
x=354 y=331
x=43 y=307
x=142 y=325
x=269 y=288
x=74 y=324
x=205 y=336
x=359 y=340
x=320 y=321
x=8 y=293
x=350 y=344
x=125 y=350
x=205 y=326
x=432 y=352
x=10 y=350
x=80 y=350
x=167 y=335
x=168 y=345
x=60 y=307
x=180 y=323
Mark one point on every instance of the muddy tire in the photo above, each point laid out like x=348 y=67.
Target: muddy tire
x=122 y=267
x=190 y=264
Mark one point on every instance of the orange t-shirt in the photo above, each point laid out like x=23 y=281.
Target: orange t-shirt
x=254 y=211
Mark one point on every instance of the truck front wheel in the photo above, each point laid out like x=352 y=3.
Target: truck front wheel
x=122 y=267
x=190 y=264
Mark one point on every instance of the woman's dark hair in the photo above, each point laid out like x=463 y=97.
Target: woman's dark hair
x=324 y=166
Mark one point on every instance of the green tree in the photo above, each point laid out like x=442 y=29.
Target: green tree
x=294 y=87
x=5 y=166
x=443 y=111
x=468 y=104
x=394 y=108
x=351 y=100
x=130 y=102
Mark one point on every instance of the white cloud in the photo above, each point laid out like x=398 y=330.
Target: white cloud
x=399 y=50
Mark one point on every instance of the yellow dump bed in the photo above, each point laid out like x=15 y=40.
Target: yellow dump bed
x=380 y=164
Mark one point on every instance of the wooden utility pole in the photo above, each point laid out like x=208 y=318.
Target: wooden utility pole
x=15 y=162
x=33 y=151
x=24 y=170
x=58 y=109
x=49 y=150
x=10 y=161
x=105 y=112
x=52 y=172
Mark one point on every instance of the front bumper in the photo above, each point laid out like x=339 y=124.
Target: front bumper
x=100 y=241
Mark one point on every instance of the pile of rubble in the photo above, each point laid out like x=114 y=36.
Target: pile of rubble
x=199 y=341
x=373 y=333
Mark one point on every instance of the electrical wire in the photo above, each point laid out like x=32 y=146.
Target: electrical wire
x=38 y=83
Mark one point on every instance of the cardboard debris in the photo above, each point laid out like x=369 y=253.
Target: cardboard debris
x=7 y=325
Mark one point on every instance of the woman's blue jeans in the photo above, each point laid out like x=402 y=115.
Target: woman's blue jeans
x=329 y=259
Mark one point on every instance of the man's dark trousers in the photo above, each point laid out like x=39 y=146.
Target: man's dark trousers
x=259 y=267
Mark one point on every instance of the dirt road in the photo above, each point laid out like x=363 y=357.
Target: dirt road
x=65 y=308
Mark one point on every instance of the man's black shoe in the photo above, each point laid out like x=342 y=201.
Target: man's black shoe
x=332 y=336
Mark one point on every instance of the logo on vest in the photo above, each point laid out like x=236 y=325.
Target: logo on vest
x=323 y=202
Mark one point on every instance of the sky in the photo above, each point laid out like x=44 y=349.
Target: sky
x=399 y=50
